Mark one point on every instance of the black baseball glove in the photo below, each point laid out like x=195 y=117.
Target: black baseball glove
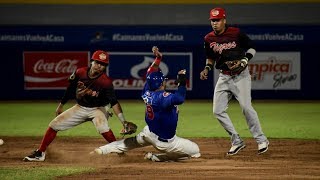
x=181 y=78
x=128 y=128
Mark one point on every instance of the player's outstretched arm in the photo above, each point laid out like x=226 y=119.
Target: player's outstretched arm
x=179 y=96
x=156 y=63
x=118 y=111
x=156 y=51
x=128 y=127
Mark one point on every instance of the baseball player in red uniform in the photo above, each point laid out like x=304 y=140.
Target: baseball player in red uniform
x=94 y=91
x=230 y=50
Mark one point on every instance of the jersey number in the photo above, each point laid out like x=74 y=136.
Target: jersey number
x=149 y=112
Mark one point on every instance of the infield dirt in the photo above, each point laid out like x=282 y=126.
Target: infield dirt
x=286 y=159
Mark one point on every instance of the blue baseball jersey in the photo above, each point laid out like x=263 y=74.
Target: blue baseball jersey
x=161 y=113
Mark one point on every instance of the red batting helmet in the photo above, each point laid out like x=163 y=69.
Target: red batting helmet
x=217 y=13
x=100 y=56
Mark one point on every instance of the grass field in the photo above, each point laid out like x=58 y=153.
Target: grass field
x=279 y=119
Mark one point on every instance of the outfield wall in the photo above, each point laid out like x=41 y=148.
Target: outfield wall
x=38 y=59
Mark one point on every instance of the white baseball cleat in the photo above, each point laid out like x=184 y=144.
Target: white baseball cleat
x=96 y=151
x=196 y=155
x=263 y=147
x=235 y=149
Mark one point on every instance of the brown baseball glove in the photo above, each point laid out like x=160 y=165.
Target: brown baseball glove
x=128 y=128
x=236 y=65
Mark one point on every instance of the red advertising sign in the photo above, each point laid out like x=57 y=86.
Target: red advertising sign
x=50 y=70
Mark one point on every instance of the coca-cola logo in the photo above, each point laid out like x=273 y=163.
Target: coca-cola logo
x=63 y=66
x=50 y=70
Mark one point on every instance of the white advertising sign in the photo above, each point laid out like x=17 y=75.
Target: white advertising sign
x=274 y=71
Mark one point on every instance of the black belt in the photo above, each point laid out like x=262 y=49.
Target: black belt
x=162 y=140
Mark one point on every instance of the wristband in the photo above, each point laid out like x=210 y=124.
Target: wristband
x=157 y=61
x=209 y=67
x=245 y=60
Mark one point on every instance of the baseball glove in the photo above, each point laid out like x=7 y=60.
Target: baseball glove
x=236 y=66
x=128 y=128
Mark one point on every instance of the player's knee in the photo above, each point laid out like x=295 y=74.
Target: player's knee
x=54 y=128
x=102 y=129
x=140 y=139
x=54 y=125
x=217 y=112
x=57 y=124
x=246 y=108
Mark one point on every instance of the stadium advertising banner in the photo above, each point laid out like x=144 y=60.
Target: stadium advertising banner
x=274 y=71
x=128 y=69
x=36 y=52
x=50 y=70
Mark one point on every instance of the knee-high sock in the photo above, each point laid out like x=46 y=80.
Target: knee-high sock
x=47 y=139
x=109 y=136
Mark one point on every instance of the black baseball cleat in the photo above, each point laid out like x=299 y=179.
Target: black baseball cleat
x=235 y=149
x=36 y=156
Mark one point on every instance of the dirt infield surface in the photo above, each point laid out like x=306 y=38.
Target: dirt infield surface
x=286 y=159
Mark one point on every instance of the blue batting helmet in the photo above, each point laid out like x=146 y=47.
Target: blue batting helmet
x=154 y=80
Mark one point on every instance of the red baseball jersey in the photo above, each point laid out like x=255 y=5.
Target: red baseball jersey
x=90 y=92
x=232 y=44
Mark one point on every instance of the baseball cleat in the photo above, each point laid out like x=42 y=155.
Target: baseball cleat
x=96 y=151
x=196 y=155
x=235 y=149
x=36 y=156
x=263 y=147
x=151 y=157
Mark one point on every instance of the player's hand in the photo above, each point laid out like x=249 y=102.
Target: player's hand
x=204 y=74
x=59 y=109
x=183 y=71
x=181 y=78
x=233 y=64
x=156 y=52
x=128 y=128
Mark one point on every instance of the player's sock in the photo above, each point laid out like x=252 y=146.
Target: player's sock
x=47 y=139
x=109 y=136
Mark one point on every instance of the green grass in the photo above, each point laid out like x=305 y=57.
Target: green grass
x=31 y=173
x=279 y=119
